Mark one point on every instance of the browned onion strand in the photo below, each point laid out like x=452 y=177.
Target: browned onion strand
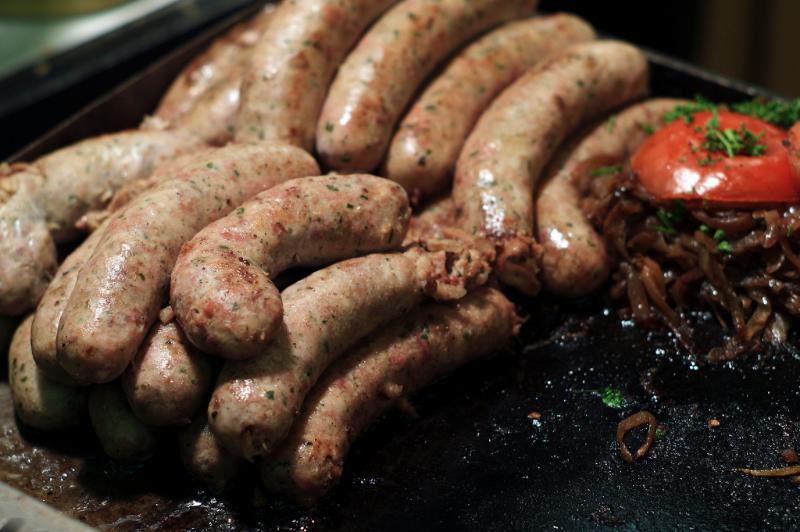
x=740 y=264
x=781 y=472
x=629 y=423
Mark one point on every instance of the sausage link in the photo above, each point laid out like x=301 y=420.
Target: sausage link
x=38 y=401
x=423 y=152
x=292 y=65
x=204 y=457
x=122 y=287
x=220 y=62
x=121 y=434
x=51 y=307
x=392 y=364
x=28 y=255
x=255 y=401
x=380 y=76
x=503 y=157
x=222 y=290
x=168 y=381
x=574 y=260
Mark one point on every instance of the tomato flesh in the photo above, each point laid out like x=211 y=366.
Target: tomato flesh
x=672 y=165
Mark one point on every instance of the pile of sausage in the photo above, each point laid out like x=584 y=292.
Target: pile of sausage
x=169 y=321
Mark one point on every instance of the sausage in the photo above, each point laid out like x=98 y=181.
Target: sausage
x=390 y=365
x=380 y=76
x=121 y=434
x=51 y=307
x=217 y=64
x=122 y=287
x=503 y=157
x=255 y=400
x=39 y=402
x=574 y=261
x=204 y=457
x=222 y=289
x=292 y=65
x=213 y=119
x=423 y=152
x=169 y=380
x=28 y=255
x=90 y=221
x=42 y=201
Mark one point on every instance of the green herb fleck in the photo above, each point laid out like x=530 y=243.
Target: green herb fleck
x=724 y=247
x=782 y=114
x=270 y=394
x=334 y=188
x=605 y=170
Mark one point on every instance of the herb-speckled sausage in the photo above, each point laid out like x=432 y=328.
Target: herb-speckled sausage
x=121 y=434
x=392 y=364
x=204 y=457
x=292 y=65
x=574 y=260
x=222 y=290
x=496 y=173
x=121 y=289
x=380 y=76
x=424 y=150
x=168 y=381
x=40 y=202
x=38 y=401
x=255 y=400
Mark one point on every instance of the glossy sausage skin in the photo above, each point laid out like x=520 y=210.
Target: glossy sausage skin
x=389 y=366
x=40 y=202
x=168 y=381
x=255 y=400
x=380 y=76
x=121 y=289
x=504 y=156
x=204 y=457
x=292 y=65
x=221 y=62
x=122 y=436
x=574 y=261
x=222 y=289
x=423 y=152
x=50 y=309
x=38 y=401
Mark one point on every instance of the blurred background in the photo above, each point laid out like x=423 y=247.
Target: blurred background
x=56 y=56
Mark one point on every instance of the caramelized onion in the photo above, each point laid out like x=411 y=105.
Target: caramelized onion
x=626 y=425
x=780 y=472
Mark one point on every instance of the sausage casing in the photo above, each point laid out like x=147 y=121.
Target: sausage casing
x=423 y=152
x=390 y=365
x=121 y=434
x=222 y=290
x=292 y=65
x=255 y=400
x=574 y=260
x=379 y=77
x=496 y=173
x=123 y=286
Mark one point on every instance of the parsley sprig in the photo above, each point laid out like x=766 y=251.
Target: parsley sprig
x=731 y=142
x=782 y=114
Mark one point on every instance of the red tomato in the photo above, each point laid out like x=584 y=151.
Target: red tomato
x=671 y=165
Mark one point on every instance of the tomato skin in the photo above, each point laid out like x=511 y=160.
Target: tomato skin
x=668 y=169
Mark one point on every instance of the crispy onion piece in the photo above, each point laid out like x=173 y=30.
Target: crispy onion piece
x=636 y=420
x=780 y=472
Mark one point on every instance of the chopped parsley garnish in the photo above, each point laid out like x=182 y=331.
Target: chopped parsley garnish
x=724 y=247
x=605 y=170
x=671 y=217
x=782 y=114
x=686 y=112
x=730 y=141
x=612 y=398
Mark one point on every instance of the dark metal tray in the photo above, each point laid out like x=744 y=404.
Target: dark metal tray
x=473 y=460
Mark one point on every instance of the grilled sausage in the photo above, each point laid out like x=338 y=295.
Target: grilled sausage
x=168 y=381
x=203 y=456
x=121 y=434
x=423 y=152
x=379 y=77
x=292 y=65
x=122 y=287
x=255 y=400
x=503 y=157
x=51 y=307
x=43 y=201
x=222 y=61
x=574 y=261
x=392 y=364
x=222 y=290
x=38 y=401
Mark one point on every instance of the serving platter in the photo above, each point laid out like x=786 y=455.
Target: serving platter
x=475 y=456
